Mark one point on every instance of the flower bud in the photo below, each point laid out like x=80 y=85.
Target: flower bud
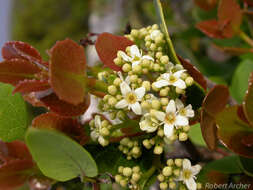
x=172 y=185
x=112 y=101
x=137 y=69
x=199 y=186
x=158 y=55
x=133 y=78
x=117 y=81
x=136 y=177
x=183 y=136
x=153 y=47
x=117 y=61
x=123 y=183
x=179 y=91
x=170 y=162
x=164 y=101
x=127 y=171
x=104 y=131
x=164 y=92
x=154 y=88
x=104 y=123
x=118 y=178
x=167 y=171
x=136 y=150
x=176 y=172
x=146 y=85
x=186 y=128
x=134 y=33
x=145 y=105
x=189 y=81
x=178 y=162
x=163 y=186
x=146 y=144
x=145 y=62
x=160 y=133
x=164 y=59
x=156 y=104
x=158 y=150
x=156 y=67
x=136 y=169
x=126 y=67
x=160 y=177
x=103 y=141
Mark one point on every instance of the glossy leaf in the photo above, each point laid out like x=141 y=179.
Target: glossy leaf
x=107 y=46
x=247 y=165
x=67 y=71
x=15 y=70
x=68 y=126
x=240 y=80
x=241 y=114
x=28 y=86
x=206 y=4
x=248 y=101
x=63 y=108
x=15 y=117
x=195 y=135
x=194 y=72
x=248 y=140
x=58 y=156
x=231 y=131
x=230 y=10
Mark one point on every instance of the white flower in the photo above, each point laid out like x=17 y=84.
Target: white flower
x=95 y=131
x=188 y=174
x=148 y=123
x=171 y=118
x=170 y=78
x=184 y=111
x=154 y=34
x=135 y=56
x=131 y=98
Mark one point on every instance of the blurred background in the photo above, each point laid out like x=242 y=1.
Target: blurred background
x=42 y=22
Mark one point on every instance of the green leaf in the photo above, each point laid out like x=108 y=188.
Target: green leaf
x=58 y=156
x=14 y=118
x=240 y=80
x=196 y=136
x=247 y=165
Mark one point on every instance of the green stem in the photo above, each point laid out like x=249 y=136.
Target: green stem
x=163 y=26
x=245 y=38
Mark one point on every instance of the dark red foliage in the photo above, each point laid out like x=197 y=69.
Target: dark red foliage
x=28 y=86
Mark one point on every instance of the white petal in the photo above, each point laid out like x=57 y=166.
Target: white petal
x=171 y=107
x=178 y=73
x=154 y=34
x=181 y=121
x=127 y=80
x=134 y=51
x=180 y=84
x=186 y=164
x=121 y=104
x=146 y=126
x=97 y=121
x=160 y=115
x=136 y=107
x=161 y=83
x=168 y=130
x=148 y=57
x=179 y=104
x=135 y=63
x=94 y=135
x=195 y=169
x=140 y=92
x=191 y=184
x=189 y=111
x=166 y=76
x=125 y=88
x=124 y=56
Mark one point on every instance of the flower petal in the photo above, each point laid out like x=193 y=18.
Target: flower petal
x=146 y=126
x=140 y=92
x=135 y=63
x=186 y=164
x=97 y=121
x=191 y=184
x=189 y=111
x=124 y=56
x=154 y=34
x=160 y=115
x=179 y=104
x=148 y=57
x=166 y=76
x=171 y=107
x=179 y=73
x=134 y=51
x=125 y=88
x=121 y=104
x=180 y=84
x=94 y=135
x=168 y=130
x=181 y=121
x=161 y=83
x=195 y=169
x=136 y=107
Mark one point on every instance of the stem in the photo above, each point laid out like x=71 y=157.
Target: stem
x=171 y=49
x=246 y=38
x=96 y=186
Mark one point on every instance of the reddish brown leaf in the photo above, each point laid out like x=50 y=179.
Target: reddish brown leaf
x=230 y=10
x=14 y=173
x=249 y=2
x=17 y=49
x=248 y=140
x=33 y=100
x=107 y=46
x=208 y=129
x=216 y=177
x=231 y=131
x=63 y=108
x=69 y=126
x=213 y=29
x=28 y=86
x=241 y=114
x=194 y=72
x=15 y=70
x=67 y=71
x=216 y=100
x=233 y=50
x=248 y=101
x=206 y=4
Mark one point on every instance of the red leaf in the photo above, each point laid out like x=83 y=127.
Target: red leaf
x=230 y=10
x=67 y=71
x=28 y=86
x=107 y=46
x=14 y=173
x=213 y=29
x=33 y=100
x=17 y=49
x=248 y=140
x=69 y=126
x=241 y=114
x=15 y=70
x=248 y=101
x=63 y=108
x=194 y=72
x=206 y=4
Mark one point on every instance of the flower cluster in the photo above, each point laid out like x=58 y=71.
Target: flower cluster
x=179 y=174
x=130 y=148
x=128 y=177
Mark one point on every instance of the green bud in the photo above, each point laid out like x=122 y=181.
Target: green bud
x=156 y=104
x=136 y=169
x=136 y=150
x=104 y=131
x=117 y=61
x=146 y=85
x=170 y=162
x=126 y=67
x=118 y=178
x=163 y=186
x=189 y=81
x=164 y=59
x=112 y=90
x=127 y=172
x=134 y=33
x=167 y=171
x=117 y=81
x=136 y=177
x=172 y=185
x=183 y=136
x=164 y=101
x=160 y=133
x=186 y=128
x=158 y=150
x=161 y=177
x=178 y=162
x=123 y=183
x=164 y=92
x=133 y=78
x=137 y=69
x=112 y=101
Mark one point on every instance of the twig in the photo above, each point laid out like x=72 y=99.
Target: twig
x=246 y=38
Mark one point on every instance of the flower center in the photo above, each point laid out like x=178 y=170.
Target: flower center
x=131 y=98
x=187 y=174
x=182 y=112
x=170 y=118
x=172 y=79
x=136 y=58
